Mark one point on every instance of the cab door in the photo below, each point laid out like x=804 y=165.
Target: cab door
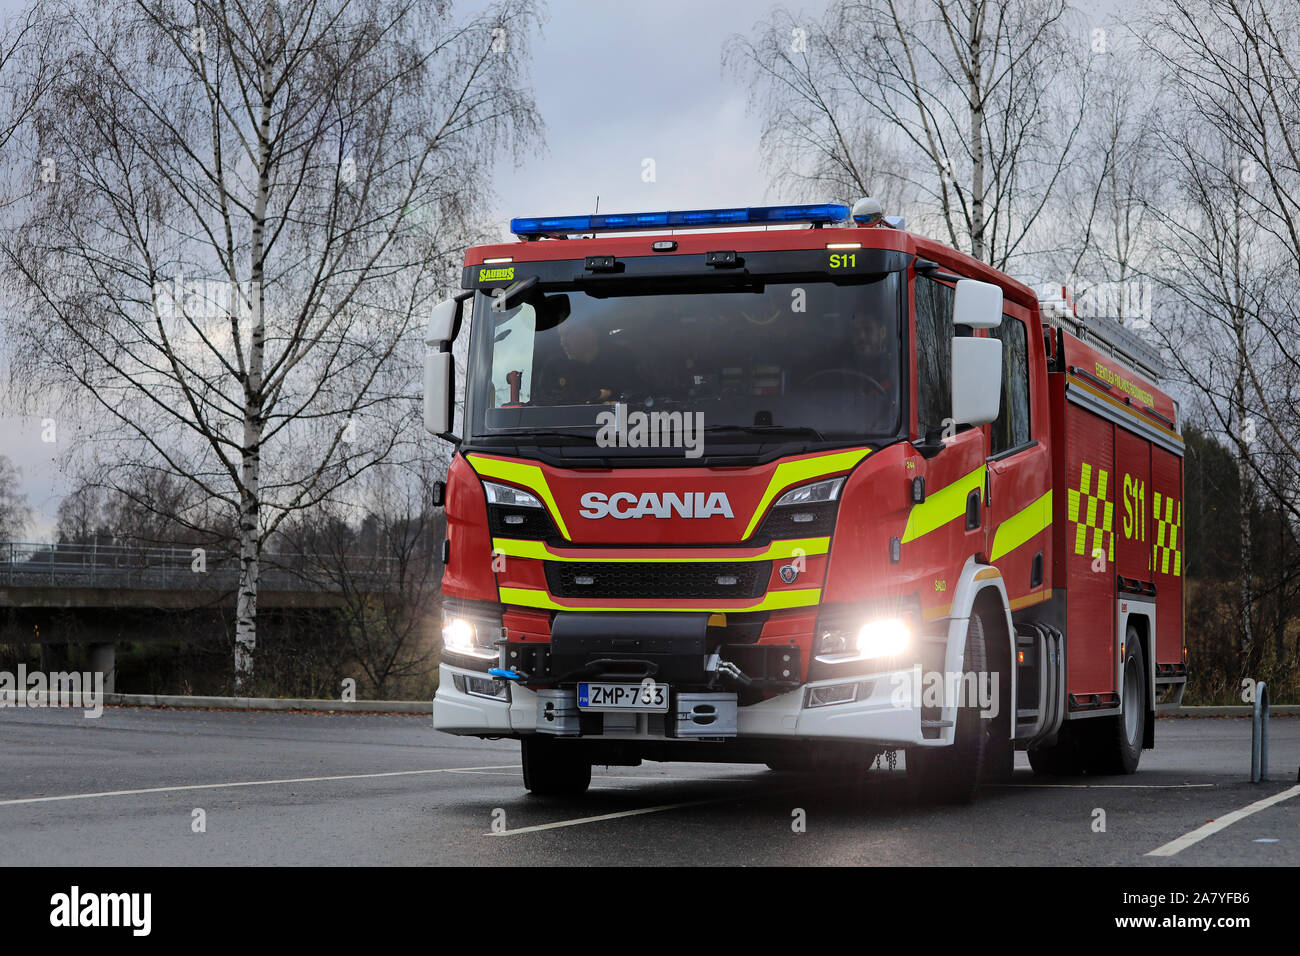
x=1018 y=500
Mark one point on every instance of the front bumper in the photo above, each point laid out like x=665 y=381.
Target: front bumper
x=884 y=713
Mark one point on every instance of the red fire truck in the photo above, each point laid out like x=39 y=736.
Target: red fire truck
x=798 y=496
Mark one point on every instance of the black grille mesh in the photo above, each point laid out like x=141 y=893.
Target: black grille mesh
x=631 y=580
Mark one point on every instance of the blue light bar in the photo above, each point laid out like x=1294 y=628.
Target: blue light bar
x=685 y=219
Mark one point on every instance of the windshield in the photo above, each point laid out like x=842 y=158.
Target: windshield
x=806 y=359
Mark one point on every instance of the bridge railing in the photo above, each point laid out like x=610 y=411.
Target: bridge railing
x=124 y=566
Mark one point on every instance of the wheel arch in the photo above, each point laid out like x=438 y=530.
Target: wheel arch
x=1142 y=622
x=980 y=590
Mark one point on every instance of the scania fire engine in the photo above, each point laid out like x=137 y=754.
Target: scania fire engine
x=790 y=485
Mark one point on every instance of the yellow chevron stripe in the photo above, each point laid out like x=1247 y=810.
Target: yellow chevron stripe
x=524 y=475
x=944 y=505
x=1022 y=526
x=797 y=472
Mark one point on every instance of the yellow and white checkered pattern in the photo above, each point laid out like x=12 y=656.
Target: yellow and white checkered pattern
x=1085 y=509
x=1168 y=523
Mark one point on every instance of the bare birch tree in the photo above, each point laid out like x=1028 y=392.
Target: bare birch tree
x=255 y=203
x=27 y=69
x=1230 y=236
x=970 y=108
x=1101 y=230
x=15 y=516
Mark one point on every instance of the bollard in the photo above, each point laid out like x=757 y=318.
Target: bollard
x=1259 y=736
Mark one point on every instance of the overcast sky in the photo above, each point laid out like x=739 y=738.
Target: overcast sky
x=617 y=84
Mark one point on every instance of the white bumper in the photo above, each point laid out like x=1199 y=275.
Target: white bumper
x=457 y=712
x=884 y=714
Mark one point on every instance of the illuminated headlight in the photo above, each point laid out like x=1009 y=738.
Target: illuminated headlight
x=817 y=492
x=887 y=637
x=876 y=639
x=470 y=638
x=506 y=495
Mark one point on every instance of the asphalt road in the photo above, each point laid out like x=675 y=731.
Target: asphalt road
x=356 y=789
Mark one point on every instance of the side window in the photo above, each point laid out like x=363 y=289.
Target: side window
x=1011 y=429
x=934 y=332
x=512 y=358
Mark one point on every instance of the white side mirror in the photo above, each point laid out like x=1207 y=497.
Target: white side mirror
x=977 y=304
x=976 y=379
x=439 y=386
x=442 y=322
x=438 y=403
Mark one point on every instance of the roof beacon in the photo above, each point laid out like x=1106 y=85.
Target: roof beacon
x=818 y=214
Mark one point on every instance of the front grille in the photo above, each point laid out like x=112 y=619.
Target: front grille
x=598 y=579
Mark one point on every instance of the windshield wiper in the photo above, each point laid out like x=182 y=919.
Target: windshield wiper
x=536 y=433
x=788 y=431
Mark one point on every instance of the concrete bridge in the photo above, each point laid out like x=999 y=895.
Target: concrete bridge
x=60 y=594
x=93 y=575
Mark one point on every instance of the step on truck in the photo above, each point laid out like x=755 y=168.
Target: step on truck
x=792 y=486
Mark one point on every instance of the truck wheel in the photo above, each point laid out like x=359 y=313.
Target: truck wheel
x=1000 y=751
x=1059 y=759
x=1116 y=744
x=552 y=769
x=952 y=774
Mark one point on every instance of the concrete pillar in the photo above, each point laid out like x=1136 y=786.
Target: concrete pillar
x=103 y=657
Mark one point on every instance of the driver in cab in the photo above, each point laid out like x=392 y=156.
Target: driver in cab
x=593 y=369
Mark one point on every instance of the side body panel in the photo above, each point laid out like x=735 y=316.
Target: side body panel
x=1166 y=552
x=1085 y=521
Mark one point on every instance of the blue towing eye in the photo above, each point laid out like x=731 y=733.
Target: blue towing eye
x=504 y=672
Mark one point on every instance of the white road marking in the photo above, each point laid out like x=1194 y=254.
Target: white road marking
x=1227 y=820
x=243 y=783
x=643 y=810
x=620 y=776
x=608 y=816
x=1107 y=786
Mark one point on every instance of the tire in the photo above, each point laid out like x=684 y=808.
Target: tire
x=1115 y=744
x=952 y=774
x=553 y=769
x=1000 y=752
x=1060 y=759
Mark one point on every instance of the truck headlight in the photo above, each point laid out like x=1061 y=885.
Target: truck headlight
x=817 y=492
x=498 y=494
x=885 y=637
x=467 y=634
x=844 y=638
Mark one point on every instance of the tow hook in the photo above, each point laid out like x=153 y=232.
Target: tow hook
x=729 y=669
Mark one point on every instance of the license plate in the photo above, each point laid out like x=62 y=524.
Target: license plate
x=647 y=697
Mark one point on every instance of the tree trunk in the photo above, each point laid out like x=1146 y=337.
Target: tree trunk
x=1244 y=499
x=976 y=94
x=250 y=539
